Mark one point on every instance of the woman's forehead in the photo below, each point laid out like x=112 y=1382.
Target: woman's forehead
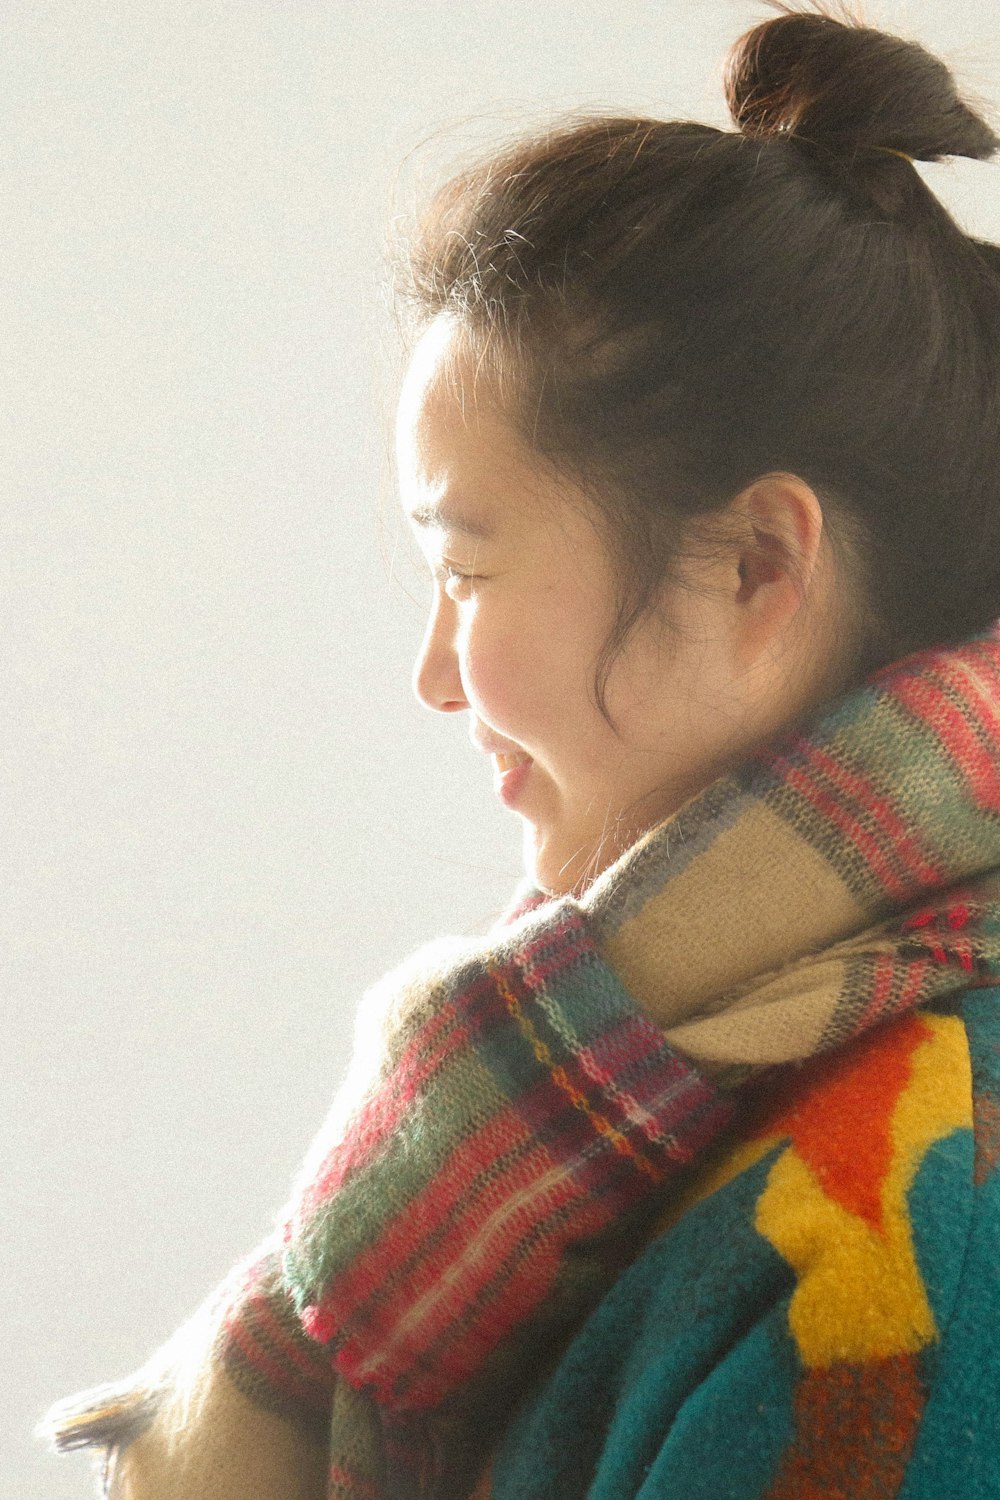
x=446 y=377
x=448 y=420
x=460 y=459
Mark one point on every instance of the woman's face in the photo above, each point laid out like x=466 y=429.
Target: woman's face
x=523 y=599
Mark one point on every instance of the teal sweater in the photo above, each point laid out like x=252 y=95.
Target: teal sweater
x=821 y=1318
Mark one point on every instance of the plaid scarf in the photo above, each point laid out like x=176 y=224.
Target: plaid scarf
x=519 y=1106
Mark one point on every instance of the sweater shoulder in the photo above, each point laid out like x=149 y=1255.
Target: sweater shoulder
x=805 y=1313
x=852 y=1115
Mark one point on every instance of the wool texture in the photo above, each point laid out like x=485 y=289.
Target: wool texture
x=526 y=1111
x=817 y=1314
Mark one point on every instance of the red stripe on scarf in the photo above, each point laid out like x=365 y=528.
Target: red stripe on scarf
x=591 y=1190
x=554 y=951
x=475 y=1243
x=887 y=974
x=305 y=1357
x=469 y=1169
x=900 y=845
x=956 y=726
x=839 y=815
x=342 y=1485
x=280 y=1377
x=576 y=1097
x=379 y=1118
x=628 y=1050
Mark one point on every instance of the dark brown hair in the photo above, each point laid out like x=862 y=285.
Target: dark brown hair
x=668 y=311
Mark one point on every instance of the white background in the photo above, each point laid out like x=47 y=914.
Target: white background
x=224 y=814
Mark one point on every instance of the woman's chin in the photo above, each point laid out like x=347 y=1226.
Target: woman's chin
x=554 y=870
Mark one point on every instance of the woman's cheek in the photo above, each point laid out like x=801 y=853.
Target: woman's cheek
x=502 y=683
x=489 y=679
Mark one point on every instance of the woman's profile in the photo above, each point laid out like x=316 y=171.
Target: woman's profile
x=684 y=1179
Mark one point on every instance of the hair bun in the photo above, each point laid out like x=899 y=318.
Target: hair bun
x=843 y=85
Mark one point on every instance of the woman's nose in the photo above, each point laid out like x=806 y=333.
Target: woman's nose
x=437 y=681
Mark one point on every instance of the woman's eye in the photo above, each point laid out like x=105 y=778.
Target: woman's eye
x=455 y=583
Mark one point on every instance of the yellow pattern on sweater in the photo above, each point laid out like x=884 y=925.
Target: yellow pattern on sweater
x=860 y=1295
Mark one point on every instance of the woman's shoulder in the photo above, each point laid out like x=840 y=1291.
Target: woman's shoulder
x=863 y=1168
x=858 y=1121
x=817 y=1310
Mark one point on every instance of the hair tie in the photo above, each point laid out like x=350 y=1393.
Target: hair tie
x=793 y=135
x=893 y=152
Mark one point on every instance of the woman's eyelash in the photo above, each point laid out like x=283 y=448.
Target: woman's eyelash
x=450 y=574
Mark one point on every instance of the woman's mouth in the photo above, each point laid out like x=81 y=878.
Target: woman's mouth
x=506 y=762
x=510 y=774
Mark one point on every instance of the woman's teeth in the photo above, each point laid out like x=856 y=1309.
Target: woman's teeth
x=506 y=762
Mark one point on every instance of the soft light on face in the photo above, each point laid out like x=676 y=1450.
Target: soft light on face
x=523 y=601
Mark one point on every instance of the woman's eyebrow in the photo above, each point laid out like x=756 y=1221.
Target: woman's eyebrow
x=444 y=517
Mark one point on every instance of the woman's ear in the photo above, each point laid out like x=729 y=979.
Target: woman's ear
x=782 y=523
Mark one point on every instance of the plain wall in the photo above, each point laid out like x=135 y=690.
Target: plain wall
x=224 y=813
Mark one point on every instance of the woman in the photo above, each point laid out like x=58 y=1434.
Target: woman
x=683 y=1180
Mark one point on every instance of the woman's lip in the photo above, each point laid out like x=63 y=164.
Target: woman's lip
x=508 y=784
